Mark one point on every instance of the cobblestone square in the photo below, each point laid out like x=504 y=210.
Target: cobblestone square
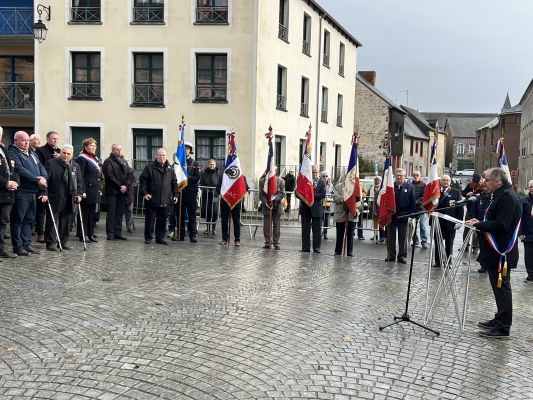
x=127 y=320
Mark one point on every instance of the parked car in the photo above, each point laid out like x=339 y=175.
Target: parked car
x=465 y=172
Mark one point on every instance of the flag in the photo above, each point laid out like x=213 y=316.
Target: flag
x=502 y=158
x=352 y=188
x=233 y=187
x=304 y=185
x=432 y=190
x=271 y=184
x=180 y=165
x=386 y=197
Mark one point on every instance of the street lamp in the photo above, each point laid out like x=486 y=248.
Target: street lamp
x=39 y=29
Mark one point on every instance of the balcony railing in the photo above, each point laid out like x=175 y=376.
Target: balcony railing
x=211 y=92
x=339 y=120
x=16 y=21
x=306 y=47
x=281 y=103
x=324 y=116
x=341 y=70
x=283 y=32
x=325 y=60
x=150 y=15
x=85 y=14
x=17 y=96
x=85 y=90
x=211 y=15
x=304 y=110
x=149 y=94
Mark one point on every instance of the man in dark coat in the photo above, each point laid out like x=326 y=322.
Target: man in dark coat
x=159 y=188
x=500 y=227
x=526 y=231
x=448 y=197
x=117 y=183
x=290 y=185
x=312 y=216
x=32 y=184
x=405 y=204
x=189 y=197
x=65 y=187
x=209 y=201
x=9 y=182
x=272 y=215
x=46 y=152
x=477 y=210
x=423 y=221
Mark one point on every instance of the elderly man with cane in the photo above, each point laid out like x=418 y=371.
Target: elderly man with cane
x=344 y=222
x=65 y=187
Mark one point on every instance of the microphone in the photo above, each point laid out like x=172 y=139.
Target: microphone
x=466 y=201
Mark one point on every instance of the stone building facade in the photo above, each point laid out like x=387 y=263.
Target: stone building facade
x=525 y=162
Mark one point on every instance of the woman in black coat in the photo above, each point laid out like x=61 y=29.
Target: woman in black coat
x=90 y=170
x=209 y=204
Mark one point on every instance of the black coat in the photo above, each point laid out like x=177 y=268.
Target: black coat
x=193 y=179
x=446 y=200
x=290 y=182
x=8 y=172
x=46 y=153
x=503 y=215
x=209 y=179
x=91 y=179
x=116 y=175
x=526 y=227
x=317 y=208
x=405 y=202
x=60 y=194
x=419 y=188
x=160 y=182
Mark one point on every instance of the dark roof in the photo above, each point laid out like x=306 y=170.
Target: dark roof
x=410 y=128
x=507 y=102
x=368 y=85
x=529 y=90
x=512 y=110
x=418 y=119
x=467 y=126
x=334 y=22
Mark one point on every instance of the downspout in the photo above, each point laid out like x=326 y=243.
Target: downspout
x=255 y=44
x=317 y=161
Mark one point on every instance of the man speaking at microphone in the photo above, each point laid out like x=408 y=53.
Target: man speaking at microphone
x=449 y=197
x=499 y=248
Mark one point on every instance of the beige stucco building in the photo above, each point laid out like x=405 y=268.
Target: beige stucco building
x=125 y=71
x=525 y=160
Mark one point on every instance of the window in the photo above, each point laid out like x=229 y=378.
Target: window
x=212 y=11
x=339 y=109
x=281 y=101
x=85 y=76
x=324 y=113
x=471 y=149
x=342 y=50
x=416 y=147
x=148 y=12
x=210 y=145
x=79 y=134
x=85 y=11
x=303 y=142
x=460 y=148
x=322 y=160
x=325 y=54
x=283 y=30
x=337 y=171
x=211 y=77
x=411 y=147
x=306 y=45
x=16 y=83
x=148 y=87
x=279 y=152
x=145 y=145
x=304 y=98
x=421 y=149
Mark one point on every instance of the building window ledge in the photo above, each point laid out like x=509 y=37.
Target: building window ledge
x=210 y=101
x=147 y=23
x=146 y=105
x=87 y=98
x=85 y=23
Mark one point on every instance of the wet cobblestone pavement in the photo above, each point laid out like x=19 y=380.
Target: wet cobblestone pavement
x=196 y=321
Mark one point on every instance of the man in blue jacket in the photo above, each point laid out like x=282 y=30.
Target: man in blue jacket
x=405 y=204
x=32 y=182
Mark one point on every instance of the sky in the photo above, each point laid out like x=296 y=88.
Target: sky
x=443 y=55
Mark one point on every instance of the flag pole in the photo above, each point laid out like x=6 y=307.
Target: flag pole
x=229 y=228
x=177 y=235
x=345 y=238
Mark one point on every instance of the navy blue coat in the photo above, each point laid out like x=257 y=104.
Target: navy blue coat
x=29 y=169
x=405 y=202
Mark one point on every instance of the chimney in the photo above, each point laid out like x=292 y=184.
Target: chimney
x=369 y=76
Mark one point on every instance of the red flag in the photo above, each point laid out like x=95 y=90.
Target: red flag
x=271 y=182
x=233 y=187
x=432 y=190
x=352 y=186
x=386 y=198
x=304 y=185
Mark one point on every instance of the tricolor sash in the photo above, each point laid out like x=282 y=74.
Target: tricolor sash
x=91 y=160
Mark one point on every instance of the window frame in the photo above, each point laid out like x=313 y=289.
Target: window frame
x=197 y=21
x=95 y=21
x=213 y=73
x=87 y=69
x=151 y=53
x=161 y=21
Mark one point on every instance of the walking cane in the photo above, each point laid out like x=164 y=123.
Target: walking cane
x=345 y=238
x=55 y=226
x=82 y=228
x=178 y=228
x=270 y=227
x=229 y=227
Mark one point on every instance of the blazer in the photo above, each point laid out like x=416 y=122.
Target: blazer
x=8 y=172
x=277 y=208
x=447 y=199
x=91 y=179
x=405 y=202
x=320 y=194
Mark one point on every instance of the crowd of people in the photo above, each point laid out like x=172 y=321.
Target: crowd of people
x=44 y=188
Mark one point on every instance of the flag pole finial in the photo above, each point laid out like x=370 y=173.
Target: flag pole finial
x=182 y=119
x=310 y=127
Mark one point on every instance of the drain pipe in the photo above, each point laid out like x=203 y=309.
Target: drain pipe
x=317 y=161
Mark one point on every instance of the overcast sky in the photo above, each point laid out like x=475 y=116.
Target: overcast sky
x=451 y=55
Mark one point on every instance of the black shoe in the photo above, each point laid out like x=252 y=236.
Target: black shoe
x=267 y=246
x=110 y=238
x=487 y=324
x=325 y=237
x=193 y=239
x=32 y=250
x=402 y=260
x=5 y=254
x=361 y=238
x=495 y=333
x=316 y=251
x=337 y=253
x=92 y=239
x=350 y=254
x=529 y=279
x=51 y=248
x=389 y=259
x=65 y=247
x=120 y=238
x=435 y=265
x=21 y=252
x=482 y=270
x=161 y=241
x=147 y=241
x=305 y=251
x=276 y=246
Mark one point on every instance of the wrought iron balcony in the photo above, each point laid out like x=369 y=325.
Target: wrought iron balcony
x=283 y=32
x=85 y=90
x=339 y=120
x=304 y=110
x=17 y=96
x=211 y=15
x=148 y=94
x=325 y=60
x=16 y=21
x=306 y=47
x=324 y=116
x=149 y=15
x=211 y=92
x=85 y=14
x=341 y=70
x=281 y=103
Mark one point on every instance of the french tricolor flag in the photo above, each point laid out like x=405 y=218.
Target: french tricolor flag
x=352 y=186
x=304 y=185
x=432 y=190
x=271 y=183
x=386 y=197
